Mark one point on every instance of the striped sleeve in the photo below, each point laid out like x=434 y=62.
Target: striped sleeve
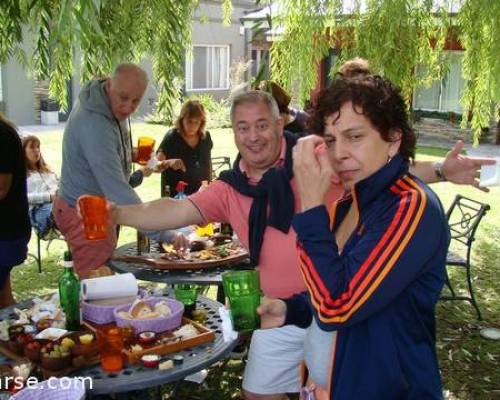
x=387 y=256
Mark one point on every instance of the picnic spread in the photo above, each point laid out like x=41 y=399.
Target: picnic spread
x=140 y=333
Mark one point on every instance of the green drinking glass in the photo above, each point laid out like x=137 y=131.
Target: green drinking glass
x=242 y=288
x=187 y=294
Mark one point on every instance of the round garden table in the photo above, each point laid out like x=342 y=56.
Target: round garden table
x=135 y=377
x=207 y=276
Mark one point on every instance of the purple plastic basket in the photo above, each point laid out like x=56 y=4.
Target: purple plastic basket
x=157 y=325
x=100 y=314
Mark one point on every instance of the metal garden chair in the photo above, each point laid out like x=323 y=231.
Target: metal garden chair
x=464 y=216
x=53 y=234
x=220 y=164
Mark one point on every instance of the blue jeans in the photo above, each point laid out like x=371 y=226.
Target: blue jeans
x=40 y=217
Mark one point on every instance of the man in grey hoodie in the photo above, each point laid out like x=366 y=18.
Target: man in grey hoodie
x=97 y=160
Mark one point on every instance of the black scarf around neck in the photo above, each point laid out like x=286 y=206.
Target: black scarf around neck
x=273 y=191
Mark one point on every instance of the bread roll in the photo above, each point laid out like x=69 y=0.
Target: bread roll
x=103 y=270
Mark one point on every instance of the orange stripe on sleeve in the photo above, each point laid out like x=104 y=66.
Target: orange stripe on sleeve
x=332 y=213
x=351 y=291
x=387 y=268
x=375 y=267
x=372 y=273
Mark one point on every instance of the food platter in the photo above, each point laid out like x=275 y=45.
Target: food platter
x=171 y=344
x=54 y=352
x=224 y=253
x=79 y=356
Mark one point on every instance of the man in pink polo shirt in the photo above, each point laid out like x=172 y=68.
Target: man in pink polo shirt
x=257 y=199
x=274 y=355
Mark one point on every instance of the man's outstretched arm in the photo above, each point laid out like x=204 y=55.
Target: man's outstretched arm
x=455 y=168
x=159 y=214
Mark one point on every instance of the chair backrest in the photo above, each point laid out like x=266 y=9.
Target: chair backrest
x=220 y=164
x=464 y=216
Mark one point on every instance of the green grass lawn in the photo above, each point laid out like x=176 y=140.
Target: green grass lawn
x=469 y=363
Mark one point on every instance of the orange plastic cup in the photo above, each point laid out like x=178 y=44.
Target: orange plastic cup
x=95 y=217
x=110 y=343
x=144 y=149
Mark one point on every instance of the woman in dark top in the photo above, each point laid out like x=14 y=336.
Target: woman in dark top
x=192 y=144
x=15 y=228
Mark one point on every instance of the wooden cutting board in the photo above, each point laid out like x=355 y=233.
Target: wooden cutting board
x=156 y=262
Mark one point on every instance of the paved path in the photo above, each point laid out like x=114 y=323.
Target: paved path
x=38 y=129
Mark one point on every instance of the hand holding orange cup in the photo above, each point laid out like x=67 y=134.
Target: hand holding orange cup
x=145 y=147
x=95 y=216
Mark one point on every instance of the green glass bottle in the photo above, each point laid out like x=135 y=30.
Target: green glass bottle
x=69 y=294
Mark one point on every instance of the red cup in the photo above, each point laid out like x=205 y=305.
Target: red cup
x=145 y=147
x=95 y=217
x=110 y=343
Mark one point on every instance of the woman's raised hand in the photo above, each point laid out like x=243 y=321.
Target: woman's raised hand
x=312 y=170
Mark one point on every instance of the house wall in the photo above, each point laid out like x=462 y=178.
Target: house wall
x=151 y=95
x=18 y=96
x=207 y=28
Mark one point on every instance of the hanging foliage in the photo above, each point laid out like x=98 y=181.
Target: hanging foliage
x=297 y=51
x=11 y=24
x=227 y=11
x=396 y=36
x=96 y=35
x=403 y=40
x=479 y=21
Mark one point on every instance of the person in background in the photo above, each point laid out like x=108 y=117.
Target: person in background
x=42 y=186
x=190 y=142
x=374 y=261
x=15 y=228
x=354 y=68
x=97 y=160
x=458 y=168
x=295 y=120
x=257 y=197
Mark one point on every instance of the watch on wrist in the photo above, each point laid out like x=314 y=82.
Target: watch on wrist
x=438 y=170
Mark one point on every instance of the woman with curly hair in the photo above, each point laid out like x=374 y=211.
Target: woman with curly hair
x=374 y=261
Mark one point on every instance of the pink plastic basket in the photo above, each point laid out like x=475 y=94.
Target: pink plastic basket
x=157 y=325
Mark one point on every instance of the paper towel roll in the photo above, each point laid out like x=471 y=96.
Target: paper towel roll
x=109 y=287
